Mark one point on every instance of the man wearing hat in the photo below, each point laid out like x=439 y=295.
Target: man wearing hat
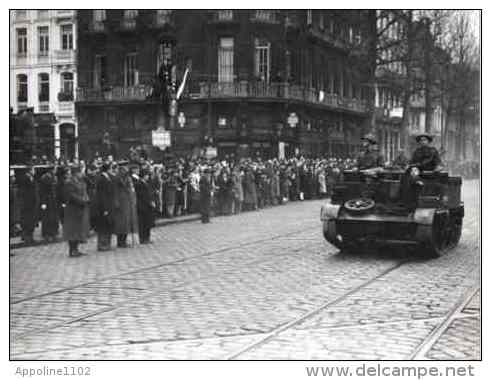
x=145 y=205
x=104 y=208
x=76 y=212
x=426 y=157
x=368 y=157
x=205 y=188
x=29 y=204
x=47 y=198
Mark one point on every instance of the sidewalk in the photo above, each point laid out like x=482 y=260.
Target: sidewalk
x=16 y=242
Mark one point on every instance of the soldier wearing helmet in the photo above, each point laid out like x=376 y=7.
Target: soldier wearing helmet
x=369 y=157
x=426 y=157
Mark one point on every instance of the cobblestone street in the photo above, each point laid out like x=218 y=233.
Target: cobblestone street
x=259 y=285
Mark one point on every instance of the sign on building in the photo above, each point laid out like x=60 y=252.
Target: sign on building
x=161 y=138
x=292 y=119
x=211 y=152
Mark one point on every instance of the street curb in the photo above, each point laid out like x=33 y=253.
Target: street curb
x=161 y=222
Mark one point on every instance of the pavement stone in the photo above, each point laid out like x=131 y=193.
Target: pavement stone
x=207 y=291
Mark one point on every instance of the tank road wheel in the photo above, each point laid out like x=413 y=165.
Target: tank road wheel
x=442 y=235
x=456 y=233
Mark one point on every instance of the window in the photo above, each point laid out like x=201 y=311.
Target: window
x=262 y=60
x=67 y=86
x=130 y=14
x=67 y=37
x=129 y=18
x=265 y=15
x=43 y=14
x=225 y=14
x=321 y=21
x=21 y=14
x=163 y=16
x=22 y=88
x=309 y=17
x=99 y=71
x=226 y=60
x=43 y=33
x=43 y=89
x=22 y=42
x=99 y=15
x=165 y=52
x=130 y=70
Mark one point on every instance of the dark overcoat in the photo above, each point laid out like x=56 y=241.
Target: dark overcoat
x=205 y=195
x=125 y=213
x=29 y=202
x=47 y=197
x=76 y=215
x=144 y=203
x=250 y=193
x=105 y=202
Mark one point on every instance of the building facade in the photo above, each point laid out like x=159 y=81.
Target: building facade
x=43 y=76
x=262 y=82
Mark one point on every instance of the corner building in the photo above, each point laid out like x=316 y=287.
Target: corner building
x=262 y=82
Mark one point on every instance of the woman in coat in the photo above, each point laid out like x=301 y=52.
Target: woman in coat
x=124 y=213
x=76 y=212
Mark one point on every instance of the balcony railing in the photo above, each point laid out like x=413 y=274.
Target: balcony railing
x=97 y=26
x=265 y=16
x=66 y=107
x=246 y=89
x=128 y=23
x=65 y=13
x=224 y=15
x=43 y=107
x=65 y=55
x=215 y=90
x=117 y=93
x=162 y=19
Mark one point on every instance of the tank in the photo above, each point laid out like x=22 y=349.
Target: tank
x=413 y=209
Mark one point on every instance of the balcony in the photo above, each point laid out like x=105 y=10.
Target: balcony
x=66 y=55
x=66 y=107
x=279 y=91
x=20 y=15
x=128 y=23
x=265 y=16
x=97 y=27
x=44 y=107
x=291 y=21
x=115 y=94
x=162 y=19
x=65 y=13
x=223 y=16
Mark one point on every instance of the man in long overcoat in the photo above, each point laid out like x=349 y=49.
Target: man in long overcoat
x=29 y=204
x=76 y=211
x=145 y=206
x=48 y=205
x=205 y=189
x=124 y=212
x=250 y=194
x=105 y=202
